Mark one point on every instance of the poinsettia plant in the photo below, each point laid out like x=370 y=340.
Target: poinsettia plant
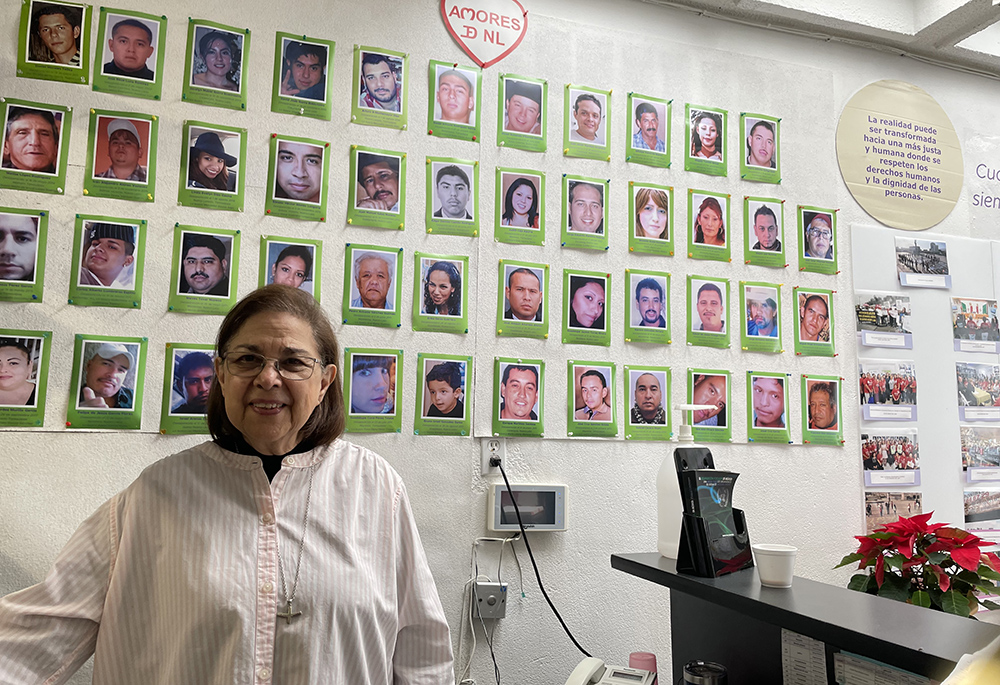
x=928 y=564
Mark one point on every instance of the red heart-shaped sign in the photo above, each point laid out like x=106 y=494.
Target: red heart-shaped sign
x=488 y=30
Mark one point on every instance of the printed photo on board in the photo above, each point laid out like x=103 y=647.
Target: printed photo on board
x=381 y=82
x=822 y=397
x=378 y=181
x=818 y=241
x=586 y=302
x=19 y=360
x=290 y=264
x=108 y=375
x=649 y=303
x=709 y=220
x=890 y=451
x=523 y=107
x=205 y=264
x=762 y=311
x=121 y=149
x=652 y=213
x=709 y=307
x=707 y=135
x=18 y=247
x=109 y=257
x=444 y=389
x=32 y=140
x=217 y=62
x=974 y=319
x=921 y=256
x=765 y=227
x=882 y=312
x=298 y=172
x=373 y=382
x=130 y=48
x=761 y=144
x=442 y=293
x=454 y=95
x=592 y=395
x=522 y=203
x=519 y=392
x=814 y=316
x=211 y=162
x=586 y=207
x=55 y=34
x=768 y=401
x=193 y=375
x=647 y=395
x=453 y=191
x=523 y=293
x=710 y=389
x=887 y=382
x=374 y=274
x=647 y=131
x=980 y=446
x=303 y=70
x=978 y=384
x=587 y=117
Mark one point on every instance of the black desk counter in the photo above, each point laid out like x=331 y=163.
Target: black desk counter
x=736 y=621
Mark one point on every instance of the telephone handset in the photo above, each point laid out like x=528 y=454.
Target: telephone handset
x=592 y=671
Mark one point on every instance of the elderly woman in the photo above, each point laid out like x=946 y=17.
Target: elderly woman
x=275 y=553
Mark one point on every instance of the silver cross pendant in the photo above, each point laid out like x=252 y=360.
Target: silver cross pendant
x=288 y=614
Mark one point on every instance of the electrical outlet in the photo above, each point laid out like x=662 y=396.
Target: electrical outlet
x=491 y=600
x=492 y=448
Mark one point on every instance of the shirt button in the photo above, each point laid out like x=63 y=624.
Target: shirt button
x=267 y=518
x=290 y=461
x=266 y=587
x=264 y=673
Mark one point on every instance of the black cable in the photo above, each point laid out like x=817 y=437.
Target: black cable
x=524 y=536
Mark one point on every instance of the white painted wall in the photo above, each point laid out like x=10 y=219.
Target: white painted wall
x=810 y=496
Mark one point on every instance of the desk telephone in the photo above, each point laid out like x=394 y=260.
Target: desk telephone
x=592 y=671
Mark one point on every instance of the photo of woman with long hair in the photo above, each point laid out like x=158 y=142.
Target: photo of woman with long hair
x=709 y=225
x=442 y=290
x=652 y=218
x=210 y=166
x=520 y=204
x=706 y=136
x=217 y=61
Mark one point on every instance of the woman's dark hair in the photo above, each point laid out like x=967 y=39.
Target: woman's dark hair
x=713 y=204
x=696 y=139
x=230 y=40
x=220 y=182
x=327 y=421
x=508 y=201
x=454 y=303
x=575 y=283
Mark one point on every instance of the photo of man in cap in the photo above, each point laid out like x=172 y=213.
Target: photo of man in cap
x=522 y=107
x=204 y=266
x=108 y=255
x=103 y=376
x=31 y=140
x=131 y=46
x=125 y=150
x=455 y=95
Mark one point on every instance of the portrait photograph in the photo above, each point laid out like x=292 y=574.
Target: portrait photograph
x=650 y=124
x=584 y=212
x=444 y=389
x=649 y=299
x=648 y=397
x=303 y=70
x=380 y=76
x=822 y=398
x=519 y=392
x=32 y=140
x=762 y=315
x=204 y=261
x=19 y=242
x=764 y=226
x=110 y=255
x=522 y=203
x=216 y=59
x=192 y=375
x=708 y=306
x=213 y=159
x=707 y=135
x=585 y=117
x=291 y=264
x=586 y=302
x=441 y=292
x=379 y=182
x=20 y=370
x=121 y=149
x=593 y=396
x=373 y=384
x=708 y=218
x=455 y=94
x=818 y=238
x=108 y=376
x=760 y=142
x=524 y=297
x=523 y=107
x=373 y=280
x=57 y=34
x=768 y=393
x=651 y=220
x=454 y=191
x=813 y=316
x=298 y=172
x=709 y=390
x=130 y=50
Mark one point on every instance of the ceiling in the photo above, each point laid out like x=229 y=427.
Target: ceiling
x=961 y=34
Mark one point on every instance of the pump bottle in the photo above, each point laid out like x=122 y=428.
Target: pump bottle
x=669 y=508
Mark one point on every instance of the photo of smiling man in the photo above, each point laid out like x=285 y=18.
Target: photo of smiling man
x=108 y=255
x=707 y=309
x=31 y=140
x=303 y=72
x=108 y=376
x=519 y=392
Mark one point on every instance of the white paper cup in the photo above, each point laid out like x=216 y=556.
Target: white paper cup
x=775 y=564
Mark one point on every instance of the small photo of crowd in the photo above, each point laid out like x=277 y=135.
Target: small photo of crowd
x=980 y=446
x=974 y=319
x=921 y=256
x=978 y=384
x=889 y=451
x=888 y=382
x=882 y=312
x=20 y=359
x=886 y=507
x=982 y=509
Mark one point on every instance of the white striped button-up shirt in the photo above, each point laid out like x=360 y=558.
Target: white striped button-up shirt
x=175 y=580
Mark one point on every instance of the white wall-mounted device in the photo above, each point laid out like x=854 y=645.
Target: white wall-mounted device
x=542 y=507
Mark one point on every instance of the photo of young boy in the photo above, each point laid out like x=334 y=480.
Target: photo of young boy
x=445 y=389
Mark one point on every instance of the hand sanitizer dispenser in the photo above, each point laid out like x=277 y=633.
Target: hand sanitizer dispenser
x=669 y=507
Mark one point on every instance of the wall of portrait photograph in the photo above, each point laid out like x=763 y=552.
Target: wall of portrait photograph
x=301 y=78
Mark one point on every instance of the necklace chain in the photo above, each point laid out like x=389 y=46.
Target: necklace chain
x=288 y=615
